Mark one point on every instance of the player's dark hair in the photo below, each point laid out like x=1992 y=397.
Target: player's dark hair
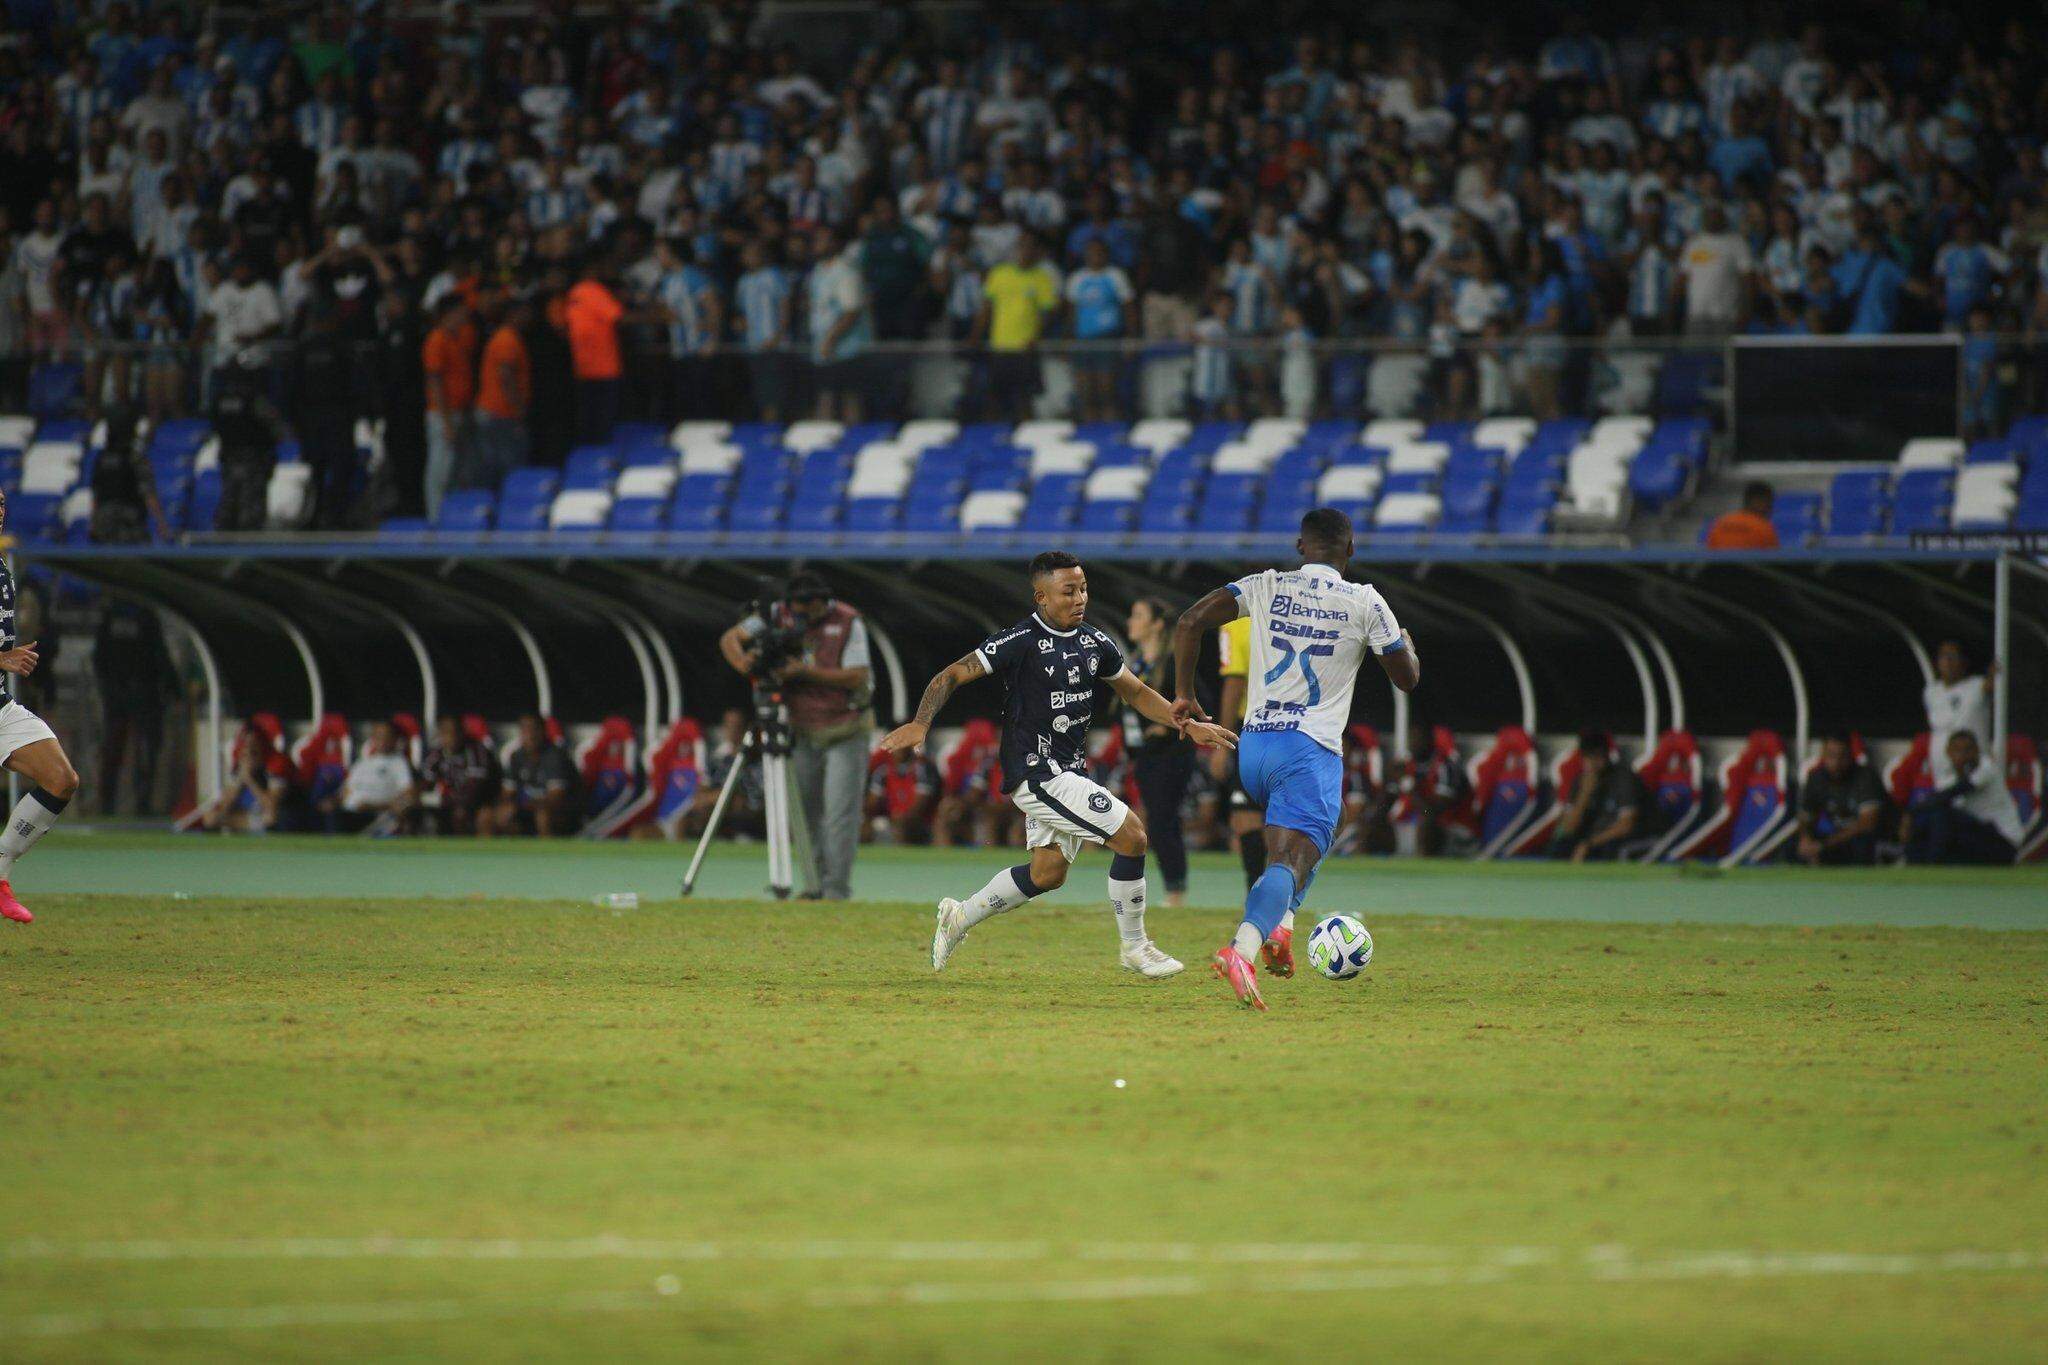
x=1326 y=528
x=1756 y=490
x=1052 y=560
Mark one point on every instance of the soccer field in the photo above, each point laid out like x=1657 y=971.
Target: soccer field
x=310 y=1113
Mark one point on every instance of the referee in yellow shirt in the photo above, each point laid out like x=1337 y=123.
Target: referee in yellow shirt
x=1247 y=822
x=1019 y=299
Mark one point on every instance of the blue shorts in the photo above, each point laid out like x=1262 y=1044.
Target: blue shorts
x=1298 y=781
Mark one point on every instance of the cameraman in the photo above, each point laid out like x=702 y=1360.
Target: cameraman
x=817 y=648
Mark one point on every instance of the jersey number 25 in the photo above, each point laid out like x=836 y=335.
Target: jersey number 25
x=1289 y=654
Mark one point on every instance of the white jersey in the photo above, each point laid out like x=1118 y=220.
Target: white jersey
x=1951 y=709
x=1310 y=630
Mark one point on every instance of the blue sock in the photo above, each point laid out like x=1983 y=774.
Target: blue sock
x=1026 y=888
x=1301 y=894
x=1126 y=867
x=1268 y=900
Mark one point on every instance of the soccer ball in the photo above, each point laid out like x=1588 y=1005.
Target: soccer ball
x=1340 y=948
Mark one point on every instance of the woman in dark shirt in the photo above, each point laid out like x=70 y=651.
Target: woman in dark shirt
x=1161 y=759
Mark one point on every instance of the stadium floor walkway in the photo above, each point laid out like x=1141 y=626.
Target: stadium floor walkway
x=161 y=864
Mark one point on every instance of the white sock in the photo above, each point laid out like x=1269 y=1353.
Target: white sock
x=1287 y=921
x=1247 y=941
x=1003 y=892
x=1127 y=898
x=33 y=816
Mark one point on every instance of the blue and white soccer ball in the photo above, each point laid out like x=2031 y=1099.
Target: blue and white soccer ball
x=1339 y=948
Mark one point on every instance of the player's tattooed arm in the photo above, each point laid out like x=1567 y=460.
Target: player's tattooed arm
x=1206 y=615
x=910 y=737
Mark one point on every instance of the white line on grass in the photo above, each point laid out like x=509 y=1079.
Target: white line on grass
x=1600 y=1264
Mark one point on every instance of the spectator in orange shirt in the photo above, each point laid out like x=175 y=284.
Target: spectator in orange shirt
x=449 y=358
x=1749 y=526
x=594 y=312
x=503 y=396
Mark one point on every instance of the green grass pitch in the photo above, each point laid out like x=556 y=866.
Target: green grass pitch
x=322 y=1127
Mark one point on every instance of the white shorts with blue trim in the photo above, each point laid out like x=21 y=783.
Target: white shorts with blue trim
x=1069 y=810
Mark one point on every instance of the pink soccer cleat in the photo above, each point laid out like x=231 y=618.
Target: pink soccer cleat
x=1241 y=976
x=10 y=908
x=1279 y=953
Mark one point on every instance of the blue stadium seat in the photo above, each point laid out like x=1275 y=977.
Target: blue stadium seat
x=874 y=514
x=1921 y=499
x=814 y=514
x=465 y=511
x=1524 y=516
x=1796 y=517
x=1107 y=516
x=531 y=483
x=1468 y=502
x=179 y=436
x=631 y=438
x=1159 y=516
x=590 y=467
x=1053 y=503
x=33 y=516
x=639 y=514
x=1409 y=481
x=203 y=505
x=1995 y=450
x=932 y=518
x=404 y=528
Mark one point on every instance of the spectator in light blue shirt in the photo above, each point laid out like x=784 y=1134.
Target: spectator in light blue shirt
x=763 y=300
x=1870 y=282
x=1968 y=269
x=1100 y=295
x=1740 y=157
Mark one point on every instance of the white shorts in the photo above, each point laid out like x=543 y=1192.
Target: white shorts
x=19 y=728
x=1069 y=810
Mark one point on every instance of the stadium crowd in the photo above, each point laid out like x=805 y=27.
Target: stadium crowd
x=524 y=225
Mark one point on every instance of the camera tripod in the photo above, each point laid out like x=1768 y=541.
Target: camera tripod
x=768 y=741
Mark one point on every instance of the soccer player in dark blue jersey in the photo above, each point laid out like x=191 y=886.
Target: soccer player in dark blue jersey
x=1052 y=664
x=27 y=746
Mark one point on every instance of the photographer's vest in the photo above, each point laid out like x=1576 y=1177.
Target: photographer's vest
x=815 y=706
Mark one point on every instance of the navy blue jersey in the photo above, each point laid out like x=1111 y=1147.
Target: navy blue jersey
x=1049 y=680
x=7 y=640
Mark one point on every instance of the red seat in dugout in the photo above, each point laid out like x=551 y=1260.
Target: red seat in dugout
x=674 y=773
x=1504 y=780
x=320 y=760
x=610 y=764
x=1910 y=777
x=1754 y=801
x=1564 y=776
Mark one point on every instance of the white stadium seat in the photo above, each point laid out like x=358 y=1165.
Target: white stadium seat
x=716 y=458
x=1394 y=384
x=929 y=432
x=647 y=481
x=1608 y=428
x=1985 y=493
x=1160 y=434
x=1061 y=457
x=1417 y=457
x=1390 y=431
x=1406 y=511
x=77 y=508
x=208 y=455
x=1276 y=433
x=805 y=437
x=1597 y=464
x=1930 y=452
x=1504 y=433
x=1242 y=457
x=16 y=432
x=51 y=466
x=1349 y=483
x=1031 y=435
x=991 y=509
x=580 y=509
x=687 y=434
x=1635 y=380
x=881 y=470
x=290 y=495
x=1606 y=502
x=1116 y=483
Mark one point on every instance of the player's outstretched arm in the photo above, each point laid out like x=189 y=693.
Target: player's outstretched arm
x=1404 y=665
x=1153 y=707
x=1206 y=615
x=909 y=737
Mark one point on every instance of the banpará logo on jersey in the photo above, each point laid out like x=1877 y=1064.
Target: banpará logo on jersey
x=1285 y=605
x=1062 y=700
x=1098 y=802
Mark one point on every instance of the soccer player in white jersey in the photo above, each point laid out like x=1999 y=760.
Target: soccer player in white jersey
x=1310 y=630
x=1054 y=667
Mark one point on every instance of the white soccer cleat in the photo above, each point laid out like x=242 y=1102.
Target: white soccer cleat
x=947 y=933
x=1147 y=961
